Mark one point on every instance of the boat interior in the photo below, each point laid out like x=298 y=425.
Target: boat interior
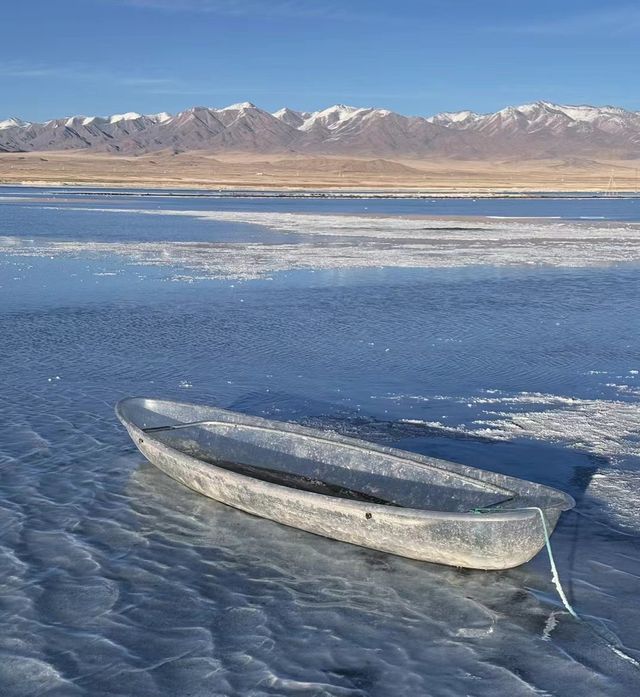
x=309 y=460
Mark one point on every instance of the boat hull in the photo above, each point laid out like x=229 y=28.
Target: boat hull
x=497 y=539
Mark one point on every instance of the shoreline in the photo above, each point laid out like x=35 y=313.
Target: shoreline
x=125 y=189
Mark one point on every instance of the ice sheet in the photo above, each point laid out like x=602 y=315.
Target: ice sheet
x=335 y=242
x=602 y=427
x=117 y=581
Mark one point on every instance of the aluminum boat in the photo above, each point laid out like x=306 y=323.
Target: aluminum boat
x=350 y=490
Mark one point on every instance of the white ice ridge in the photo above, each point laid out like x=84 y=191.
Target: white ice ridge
x=603 y=427
x=354 y=241
x=414 y=227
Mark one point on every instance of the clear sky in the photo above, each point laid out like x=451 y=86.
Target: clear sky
x=62 y=57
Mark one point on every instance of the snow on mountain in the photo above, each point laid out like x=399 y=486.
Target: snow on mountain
x=129 y=116
x=331 y=118
x=447 y=118
x=13 y=122
x=539 y=129
x=162 y=117
x=77 y=121
x=291 y=117
x=538 y=113
x=238 y=107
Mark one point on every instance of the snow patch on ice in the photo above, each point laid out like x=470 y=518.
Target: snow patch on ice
x=345 y=241
x=608 y=428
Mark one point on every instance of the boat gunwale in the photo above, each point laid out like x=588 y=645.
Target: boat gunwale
x=565 y=501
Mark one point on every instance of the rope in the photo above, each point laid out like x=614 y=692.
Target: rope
x=554 y=570
x=608 y=637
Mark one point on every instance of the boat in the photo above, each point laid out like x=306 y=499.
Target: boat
x=350 y=490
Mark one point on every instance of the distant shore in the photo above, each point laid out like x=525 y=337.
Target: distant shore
x=292 y=175
x=116 y=189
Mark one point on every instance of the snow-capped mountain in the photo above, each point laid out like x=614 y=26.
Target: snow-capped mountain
x=291 y=117
x=543 y=116
x=540 y=130
x=13 y=122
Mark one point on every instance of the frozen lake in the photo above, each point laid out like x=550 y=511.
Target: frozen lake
x=506 y=344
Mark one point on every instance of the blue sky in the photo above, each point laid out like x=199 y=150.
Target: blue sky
x=61 y=57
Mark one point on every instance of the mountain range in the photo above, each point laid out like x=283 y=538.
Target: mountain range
x=537 y=131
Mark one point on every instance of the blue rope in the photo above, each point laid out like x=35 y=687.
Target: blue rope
x=555 y=578
x=609 y=638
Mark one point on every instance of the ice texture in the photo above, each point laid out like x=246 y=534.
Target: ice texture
x=335 y=242
x=117 y=581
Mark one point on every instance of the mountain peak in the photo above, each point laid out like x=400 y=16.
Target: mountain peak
x=129 y=116
x=239 y=107
x=286 y=111
x=291 y=117
x=332 y=117
x=341 y=109
x=161 y=117
x=13 y=122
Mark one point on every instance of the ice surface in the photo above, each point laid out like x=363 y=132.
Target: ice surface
x=117 y=581
x=333 y=242
x=603 y=427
